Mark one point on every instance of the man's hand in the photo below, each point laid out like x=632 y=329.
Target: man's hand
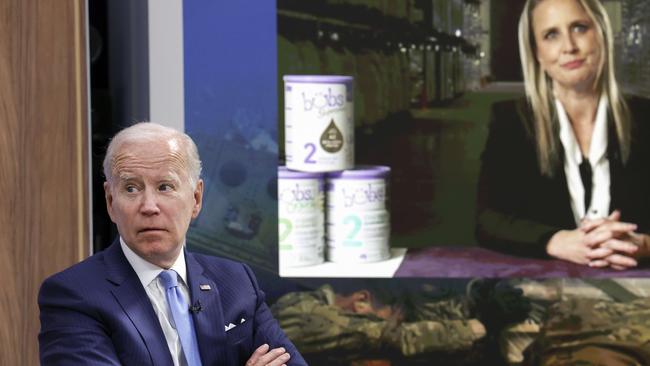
x=263 y=357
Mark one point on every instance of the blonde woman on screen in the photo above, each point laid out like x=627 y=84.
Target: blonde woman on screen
x=565 y=172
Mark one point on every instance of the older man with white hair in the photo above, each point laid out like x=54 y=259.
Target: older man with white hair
x=146 y=300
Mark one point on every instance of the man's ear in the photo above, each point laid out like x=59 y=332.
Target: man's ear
x=198 y=199
x=108 y=195
x=361 y=303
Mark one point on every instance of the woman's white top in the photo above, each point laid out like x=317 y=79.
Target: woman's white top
x=600 y=197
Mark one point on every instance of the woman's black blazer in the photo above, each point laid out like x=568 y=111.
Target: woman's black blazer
x=519 y=209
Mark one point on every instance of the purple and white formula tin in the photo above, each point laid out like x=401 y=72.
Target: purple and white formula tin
x=357 y=219
x=319 y=122
x=361 y=189
x=300 y=218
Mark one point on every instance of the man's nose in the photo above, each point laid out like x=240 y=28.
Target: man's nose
x=149 y=205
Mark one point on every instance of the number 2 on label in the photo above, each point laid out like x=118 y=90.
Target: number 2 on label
x=355 y=222
x=310 y=154
x=285 y=230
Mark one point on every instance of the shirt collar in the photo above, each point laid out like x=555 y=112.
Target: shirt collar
x=147 y=271
x=598 y=147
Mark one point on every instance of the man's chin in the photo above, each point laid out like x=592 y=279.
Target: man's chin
x=156 y=249
x=154 y=239
x=162 y=257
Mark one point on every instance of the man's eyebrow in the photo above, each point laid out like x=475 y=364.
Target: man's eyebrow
x=126 y=177
x=169 y=176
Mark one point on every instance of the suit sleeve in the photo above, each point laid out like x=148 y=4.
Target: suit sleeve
x=70 y=334
x=507 y=163
x=634 y=183
x=267 y=329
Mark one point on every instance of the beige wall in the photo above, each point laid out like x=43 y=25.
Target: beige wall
x=44 y=224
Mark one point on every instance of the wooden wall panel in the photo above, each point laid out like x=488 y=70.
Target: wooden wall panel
x=44 y=174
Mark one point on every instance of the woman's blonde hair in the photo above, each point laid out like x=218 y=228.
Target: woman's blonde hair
x=539 y=89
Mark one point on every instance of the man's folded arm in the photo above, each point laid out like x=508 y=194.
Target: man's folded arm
x=267 y=329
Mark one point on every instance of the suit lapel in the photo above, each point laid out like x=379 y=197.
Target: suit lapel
x=559 y=203
x=615 y=166
x=134 y=301
x=208 y=322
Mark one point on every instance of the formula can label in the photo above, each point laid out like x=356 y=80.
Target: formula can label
x=301 y=218
x=302 y=256
x=373 y=253
x=300 y=196
x=347 y=194
x=357 y=219
x=319 y=125
x=355 y=227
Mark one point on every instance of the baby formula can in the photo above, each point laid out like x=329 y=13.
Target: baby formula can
x=319 y=125
x=357 y=219
x=360 y=189
x=300 y=218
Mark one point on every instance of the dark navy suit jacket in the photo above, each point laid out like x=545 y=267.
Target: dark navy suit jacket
x=97 y=313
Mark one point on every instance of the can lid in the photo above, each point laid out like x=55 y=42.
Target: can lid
x=361 y=172
x=324 y=79
x=285 y=173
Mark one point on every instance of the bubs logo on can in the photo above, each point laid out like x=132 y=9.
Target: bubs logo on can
x=322 y=102
x=297 y=198
x=370 y=193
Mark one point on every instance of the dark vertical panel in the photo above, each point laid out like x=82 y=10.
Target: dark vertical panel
x=504 y=18
x=128 y=51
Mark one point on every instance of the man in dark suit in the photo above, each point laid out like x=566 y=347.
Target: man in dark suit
x=146 y=300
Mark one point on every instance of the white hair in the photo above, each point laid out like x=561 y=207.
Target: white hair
x=148 y=132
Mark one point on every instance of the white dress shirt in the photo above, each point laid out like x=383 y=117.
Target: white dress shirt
x=597 y=158
x=148 y=275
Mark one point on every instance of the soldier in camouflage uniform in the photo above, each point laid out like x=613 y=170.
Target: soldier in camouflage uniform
x=582 y=322
x=588 y=332
x=322 y=320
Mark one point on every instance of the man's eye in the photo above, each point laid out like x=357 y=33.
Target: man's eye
x=166 y=187
x=130 y=189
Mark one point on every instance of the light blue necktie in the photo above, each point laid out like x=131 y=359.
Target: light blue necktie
x=181 y=315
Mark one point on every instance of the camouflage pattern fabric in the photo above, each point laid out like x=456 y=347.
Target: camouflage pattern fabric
x=515 y=338
x=450 y=308
x=315 y=324
x=432 y=335
x=586 y=332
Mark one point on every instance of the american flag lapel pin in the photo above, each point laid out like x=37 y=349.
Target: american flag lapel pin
x=205 y=287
